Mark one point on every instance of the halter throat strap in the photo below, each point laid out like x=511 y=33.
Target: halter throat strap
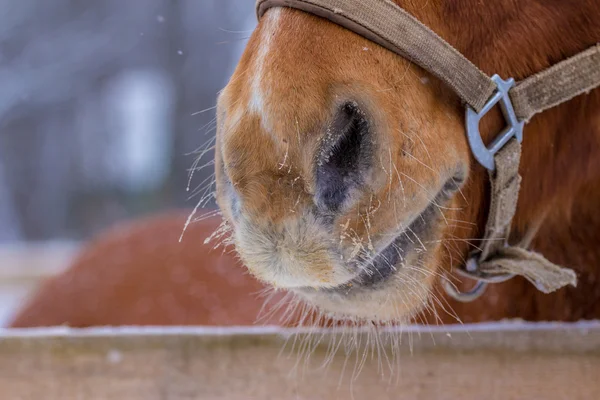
x=385 y=23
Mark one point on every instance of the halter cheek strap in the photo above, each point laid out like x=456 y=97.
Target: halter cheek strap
x=388 y=25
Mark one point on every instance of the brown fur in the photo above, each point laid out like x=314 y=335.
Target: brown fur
x=560 y=164
x=268 y=153
x=315 y=62
x=139 y=274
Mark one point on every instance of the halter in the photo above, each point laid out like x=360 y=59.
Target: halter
x=385 y=23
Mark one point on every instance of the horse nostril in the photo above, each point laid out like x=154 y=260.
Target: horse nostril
x=344 y=155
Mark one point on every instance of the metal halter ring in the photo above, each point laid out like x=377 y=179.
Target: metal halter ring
x=464 y=297
x=472 y=271
x=483 y=154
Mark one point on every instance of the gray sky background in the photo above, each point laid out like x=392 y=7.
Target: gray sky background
x=100 y=107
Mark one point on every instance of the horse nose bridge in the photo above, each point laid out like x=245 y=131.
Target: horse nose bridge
x=290 y=87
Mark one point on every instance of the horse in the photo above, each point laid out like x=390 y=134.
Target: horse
x=345 y=178
x=139 y=273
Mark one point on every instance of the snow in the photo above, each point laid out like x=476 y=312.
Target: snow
x=505 y=326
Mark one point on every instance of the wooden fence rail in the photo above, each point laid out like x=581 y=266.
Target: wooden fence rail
x=501 y=361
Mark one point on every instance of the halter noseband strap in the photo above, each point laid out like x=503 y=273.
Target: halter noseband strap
x=388 y=25
x=385 y=23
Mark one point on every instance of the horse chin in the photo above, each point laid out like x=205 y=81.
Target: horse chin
x=393 y=286
x=389 y=280
x=396 y=299
x=396 y=283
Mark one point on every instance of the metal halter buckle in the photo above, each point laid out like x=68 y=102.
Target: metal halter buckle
x=485 y=156
x=514 y=128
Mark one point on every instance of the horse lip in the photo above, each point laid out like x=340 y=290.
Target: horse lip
x=386 y=260
x=383 y=265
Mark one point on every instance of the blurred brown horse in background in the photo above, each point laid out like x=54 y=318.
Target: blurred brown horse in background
x=139 y=273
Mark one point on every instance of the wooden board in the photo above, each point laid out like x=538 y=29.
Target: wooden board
x=504 y=361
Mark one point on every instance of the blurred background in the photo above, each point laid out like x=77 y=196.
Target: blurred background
x=102 y=105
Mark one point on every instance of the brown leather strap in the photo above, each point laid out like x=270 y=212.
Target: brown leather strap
x=558 y=84
x=505 y=185
x=499 y=259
